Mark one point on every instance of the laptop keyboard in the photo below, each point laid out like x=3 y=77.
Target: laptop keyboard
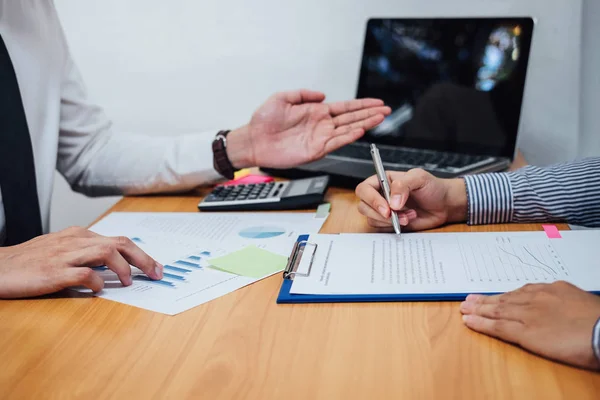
x=436 y=160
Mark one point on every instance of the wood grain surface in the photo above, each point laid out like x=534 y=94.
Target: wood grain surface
x=245 y=346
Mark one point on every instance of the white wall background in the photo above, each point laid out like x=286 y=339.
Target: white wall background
x=589 y=144
x=184 y=65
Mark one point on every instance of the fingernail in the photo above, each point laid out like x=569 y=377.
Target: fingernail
x=403 y=220
x=382 y=210
x=464 y=306
x=158 y=270
x=411 y=214
x=465 y=318
x=472 y=298
x=396 y=201
x=128 y=281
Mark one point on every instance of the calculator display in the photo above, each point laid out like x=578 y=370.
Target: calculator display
x=299 y=187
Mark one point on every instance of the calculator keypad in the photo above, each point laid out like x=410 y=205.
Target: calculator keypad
x=245 y=192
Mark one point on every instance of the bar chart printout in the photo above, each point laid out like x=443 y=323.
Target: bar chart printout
x=176 y=273
x=185 y=243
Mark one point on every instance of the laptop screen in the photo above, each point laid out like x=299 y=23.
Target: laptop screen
x=454 y=84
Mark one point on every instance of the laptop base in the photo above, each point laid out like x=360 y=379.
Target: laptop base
x=349 y=174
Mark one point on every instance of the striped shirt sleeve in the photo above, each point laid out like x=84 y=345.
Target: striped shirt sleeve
x=568 y=192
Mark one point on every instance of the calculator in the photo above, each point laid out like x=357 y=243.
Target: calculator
x=283 y=195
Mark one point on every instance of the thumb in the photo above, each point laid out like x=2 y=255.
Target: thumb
x=402 y=186
x=302 y=96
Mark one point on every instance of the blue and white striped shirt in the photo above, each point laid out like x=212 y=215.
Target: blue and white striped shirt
x=568 y=192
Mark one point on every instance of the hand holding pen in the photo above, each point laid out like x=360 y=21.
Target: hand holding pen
x=419 y=199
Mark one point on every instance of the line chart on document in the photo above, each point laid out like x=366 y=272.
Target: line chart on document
x=506 y=261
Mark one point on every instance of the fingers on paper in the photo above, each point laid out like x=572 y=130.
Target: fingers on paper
x=117 y=253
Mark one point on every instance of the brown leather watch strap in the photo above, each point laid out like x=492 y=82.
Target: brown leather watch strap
x=221 y=161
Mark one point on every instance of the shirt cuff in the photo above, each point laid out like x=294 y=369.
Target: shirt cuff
x=596 y=340
x=490 y=198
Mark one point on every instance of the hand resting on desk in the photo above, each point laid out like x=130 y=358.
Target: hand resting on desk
x=554 y=320
x=53 y=262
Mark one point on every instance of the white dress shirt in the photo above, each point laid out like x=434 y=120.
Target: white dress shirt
x=73 y=135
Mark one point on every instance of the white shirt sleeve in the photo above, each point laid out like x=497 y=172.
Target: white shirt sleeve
x=98 y=161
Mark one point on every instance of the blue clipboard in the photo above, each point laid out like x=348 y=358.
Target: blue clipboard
x=285 y=297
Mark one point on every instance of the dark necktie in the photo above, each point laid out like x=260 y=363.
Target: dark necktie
x=17 y=171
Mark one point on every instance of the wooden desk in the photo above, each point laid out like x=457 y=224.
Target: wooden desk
x=244 y=346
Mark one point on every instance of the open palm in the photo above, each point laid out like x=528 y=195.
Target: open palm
x=293 y=128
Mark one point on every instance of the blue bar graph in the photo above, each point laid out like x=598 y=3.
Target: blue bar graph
x=177 y=269
x=173 y=276
x=187 y=264
x=137 y=240
x=205 y=253
x=100 y=268
x=195 y=258
x=160 y=283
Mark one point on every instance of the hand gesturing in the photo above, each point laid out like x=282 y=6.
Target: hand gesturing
x=293 y=128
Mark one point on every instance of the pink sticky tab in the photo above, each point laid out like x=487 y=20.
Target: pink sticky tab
x=552 y=231
x=249 y=179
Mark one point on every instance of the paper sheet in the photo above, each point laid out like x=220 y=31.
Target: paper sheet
x=251 y=262
x=448 y=262
x=185 y=242
x=580 y=228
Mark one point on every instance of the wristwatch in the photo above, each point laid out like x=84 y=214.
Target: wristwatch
x=221 y=161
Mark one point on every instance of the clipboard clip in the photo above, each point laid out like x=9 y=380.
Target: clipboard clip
x=296 y=256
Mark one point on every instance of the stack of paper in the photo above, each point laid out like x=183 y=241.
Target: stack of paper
x=206 y=255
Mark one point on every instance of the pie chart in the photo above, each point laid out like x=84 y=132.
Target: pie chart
x=261 y=232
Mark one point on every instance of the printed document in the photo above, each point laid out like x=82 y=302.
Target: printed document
x=185 y=243
x=488 y=262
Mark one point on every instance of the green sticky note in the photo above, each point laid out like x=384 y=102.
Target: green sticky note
x=323 y=210
x=250 y=261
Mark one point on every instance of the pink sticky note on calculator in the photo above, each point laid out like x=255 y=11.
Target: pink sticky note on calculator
x=249 y=180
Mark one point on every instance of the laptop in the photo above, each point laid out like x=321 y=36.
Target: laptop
x=455 y=86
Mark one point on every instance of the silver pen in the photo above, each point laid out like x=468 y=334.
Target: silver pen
x=385 y=184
